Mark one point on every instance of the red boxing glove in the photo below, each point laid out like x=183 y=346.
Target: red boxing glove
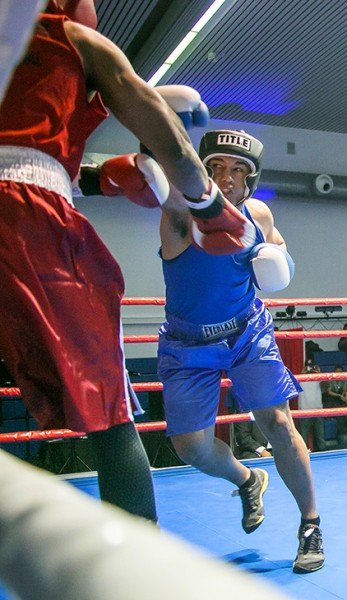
x=136 y=176
x=222 y=228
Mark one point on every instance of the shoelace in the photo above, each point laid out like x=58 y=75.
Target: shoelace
x=246 y=497
x=310 y=539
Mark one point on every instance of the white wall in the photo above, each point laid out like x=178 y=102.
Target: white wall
x=315 y=231
x=316 y=151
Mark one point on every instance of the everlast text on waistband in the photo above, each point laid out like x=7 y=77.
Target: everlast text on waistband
x=210 y=331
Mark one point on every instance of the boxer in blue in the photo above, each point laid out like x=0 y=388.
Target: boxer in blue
x=215 y=252
x=215 y=323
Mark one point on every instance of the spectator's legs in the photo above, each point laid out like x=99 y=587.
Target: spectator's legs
x=340 y=422
x=318 y=428
x=305 y=428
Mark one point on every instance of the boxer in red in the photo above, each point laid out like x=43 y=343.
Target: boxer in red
x=61 y=288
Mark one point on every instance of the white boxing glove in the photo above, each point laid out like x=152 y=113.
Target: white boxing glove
x=272 y=268
x=187 y=104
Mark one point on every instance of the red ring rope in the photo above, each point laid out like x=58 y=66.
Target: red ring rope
x=274 y=302
x=51 y=434
x=281 y=335
x=155 y=386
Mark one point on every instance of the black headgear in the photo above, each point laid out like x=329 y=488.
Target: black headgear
x=227 y=142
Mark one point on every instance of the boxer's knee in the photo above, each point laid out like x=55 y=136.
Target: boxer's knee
x=276 y=424
x=192 y=448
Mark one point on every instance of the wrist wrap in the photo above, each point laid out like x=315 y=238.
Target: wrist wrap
x=209 y=205
x=89 y=181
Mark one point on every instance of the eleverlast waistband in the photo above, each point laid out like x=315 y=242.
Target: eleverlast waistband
x=185 y=330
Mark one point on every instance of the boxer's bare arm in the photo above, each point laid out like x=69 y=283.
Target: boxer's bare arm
x=139 y=108
x=264 y=217
x=175 y=225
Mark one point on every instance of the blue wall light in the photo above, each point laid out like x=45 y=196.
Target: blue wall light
x=265 y=194
x=256 y=92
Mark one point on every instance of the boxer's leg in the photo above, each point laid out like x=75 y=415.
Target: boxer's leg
x=124 y=472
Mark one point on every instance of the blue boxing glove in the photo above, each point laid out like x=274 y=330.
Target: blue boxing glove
x=186 y=103
x=272 y=268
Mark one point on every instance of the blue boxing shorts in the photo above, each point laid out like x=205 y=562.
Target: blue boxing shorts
x=192 y=358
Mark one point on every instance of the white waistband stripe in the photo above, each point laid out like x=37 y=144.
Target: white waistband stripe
x=26 y=165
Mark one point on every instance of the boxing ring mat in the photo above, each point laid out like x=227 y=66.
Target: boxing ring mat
x=199 y=509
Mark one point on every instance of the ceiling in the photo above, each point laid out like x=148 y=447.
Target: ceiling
x=274 y=62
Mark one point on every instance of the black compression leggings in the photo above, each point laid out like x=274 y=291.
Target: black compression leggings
x=124 y=471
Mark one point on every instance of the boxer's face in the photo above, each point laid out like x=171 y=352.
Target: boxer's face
x=229 y=174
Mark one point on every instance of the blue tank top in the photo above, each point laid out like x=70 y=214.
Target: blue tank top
x=201 y=288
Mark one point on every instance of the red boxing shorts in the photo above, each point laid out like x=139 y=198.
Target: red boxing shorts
x=60 y=329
